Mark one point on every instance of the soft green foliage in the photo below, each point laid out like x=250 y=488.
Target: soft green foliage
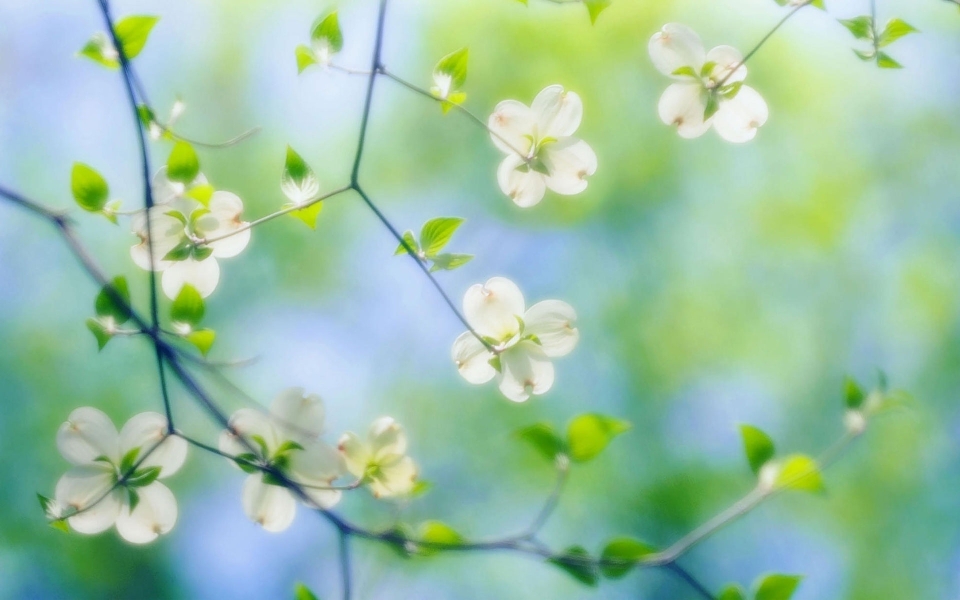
x=776 y=587
x=203 y=339
x=302 y=592
x=732 y=592
x=89 y=188
x=437 y=532
x=114 y=301
x=545 y=439
x=757 y=445
x=864 y=28
x=852 y=393
x=132 y=32
x=595 y=7
x=893 y=31
x=573 y=560
x=623 y=549
x=800 y=472
x=589 y=434
x=305 y=57
x=861 y=27
x=300 y=185
x=183 y=165
x=451 y=71
x=327 y=31
x=188 y=307
x=434 y=237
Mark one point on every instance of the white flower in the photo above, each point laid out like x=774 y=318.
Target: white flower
x=94 y=492
x=524 y=341
x=381 y=459
x=710 y=88
x=286 y=439
x=541 y=150
x=180 y=225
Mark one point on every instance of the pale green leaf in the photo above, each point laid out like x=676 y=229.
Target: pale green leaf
x=454 y=66
x=894 y=30
x=305 y=58
x=543 y=437
x=188 y=306
x=298 y=181
x=436 y=234
x=89 y=188
x=622 y=550
x=776 y=587
x=576 y=561
x=133 y=32
x=800 y=472
x=589 y=434
x=302 y=592
x=203 y=339
x=183 y=165
x=757 y=446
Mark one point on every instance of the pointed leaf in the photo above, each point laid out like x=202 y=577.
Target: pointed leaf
x=133 y=32
x=89 y=188
x=203 y=339
x=894 y=30
x=454 y=66
x=436 y=234
x=99 y=332
x=757 y=445
x=626 y=550
x=776 y=587
x=188 y=307
x=115 y=304
x=595 y=7
x=183 y=164
x=302 y=592
x=305 y=58
x=589 y=434
x=449 y=262
x=800 y=472
x=576 y=561
x=298 y=182
x=543 y=437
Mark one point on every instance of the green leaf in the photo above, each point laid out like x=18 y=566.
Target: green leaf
x=687 y=71
x=89 y=188
x=712 y=106
x=865 y=55
x=115 y=304
x=247 y=462
x=852 y=393
x=449 y=262
x=436 y=234
x=183 y=164
x=188 y=306
x=732 y=592
x=133 y=32
x=308 y=215
x=100 y=50
x=776 y=587
x=133 y=499
x=144 y=477
x=589 y=434
x=129 y=459
x=454 y=66
x=574 y=561
x=884 y=61
x=437 y=532
x=302 y=592
x=326 y=34
x=203 y=339
x=99 y=332
x=543 y=437
x=595 y=7
x=49 y=508
x=800 y=472
x=305 y=58
x=298 y=182
x=60 y=525
x=627 y=550
x=860 y=27
x=894 y=30
x=757 y=445
x=411 y=241
x=201 y=193
x=420 y=488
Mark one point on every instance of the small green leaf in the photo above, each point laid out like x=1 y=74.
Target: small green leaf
x=305 y=58
x=436 y=234
x=411 y=241
x=732 y=592
x=133 y=499
x=865 y=55
x=454 y=66
x=326 y=35
x=895 y=29
x=60 y=525
x=543 y=437
x=852 y=393
x=589 y=434
x=308 y=215
x=712 y=105
x=183 y=164
x=247 y=462
x=800 y=472
x=685 y=71
x=100 y=332
x=436 y=532
x=776 y=587
x=133 y=32
x=575 y=560
x=144 y=477
x=420 y=488
x=89 y=188
x=302 y=592
x=115 y=304
x=188 y=306
x=595 y=7
x=757 y=445
x=884 y=61
x=49 y=507
x=203 y=339
x=129 y=459
x=201 y=193
x=449 y=262
x=100 y=50
x=298 y=181
x=625 y=550
x=860 y=27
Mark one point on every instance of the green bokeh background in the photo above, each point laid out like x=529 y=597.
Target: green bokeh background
x=716 y=284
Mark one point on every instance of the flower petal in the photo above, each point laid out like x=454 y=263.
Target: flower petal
x=170 y=194
x=727 y=58
x=739 y=118
x=356 y=455
x=526 y=370
x=558 y=112
x=520 y=183
x=472 y=359
x=204 y=275
x=247 y=423
x=271 y=506
x=512 y=127
x=298 y=413
x=387 y=439
x=569 y=161
x=168 y=231
x=88 y=434
x=154 y=514
x=683 y=105
x=493 y=308
x=396 y=479
x=225 y=215
x=146 y=431
x=314 y=467
x=88 y=489
x=552 y=321
x=676 y=46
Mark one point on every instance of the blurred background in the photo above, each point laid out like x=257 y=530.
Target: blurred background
x=716 y=285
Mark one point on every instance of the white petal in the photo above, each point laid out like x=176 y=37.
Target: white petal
x=204 y=275
x=300 y=413
x=317 y=463
x=87 y=488
x=493 y=308
x=521 y=184
x=512 y=127
x=676 y=46
x=569 y=161
x=167 y=234
x=472 y=359
x=226 y=209
x=683 y=105
x=145 y=431
x=88 y=434
x=396 y=479
x=558 y=112
x=727 y=58
x=270 y=506
x=247 y=423
x=526 y=370
x=356 y=455
x=739 y=118
x=386 y=439
x=552 y=321
x=323 y=498
x=166 y=192
x=154 y=514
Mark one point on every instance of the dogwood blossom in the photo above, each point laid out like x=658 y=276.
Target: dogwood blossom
x=709 y=89
x=180 y=226
x=524 y=341
x=381 y=459
x=98 y=492
x=285 y=439
x=542 y=152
